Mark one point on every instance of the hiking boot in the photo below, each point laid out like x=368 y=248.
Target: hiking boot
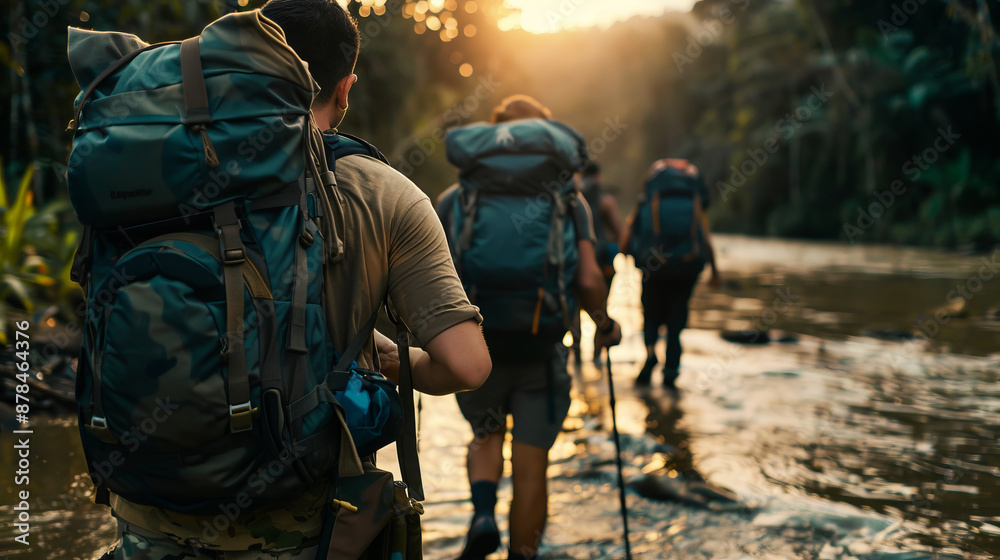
x=483 y=538
x=646 y=375
x=670 y=379
x=598 y=361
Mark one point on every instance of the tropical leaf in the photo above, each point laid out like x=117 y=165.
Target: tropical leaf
x=16 y=287
x=3 y=324
x=4 y=198
x=14 y=219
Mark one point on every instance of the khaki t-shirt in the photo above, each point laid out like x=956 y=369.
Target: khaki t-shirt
x=395 y=245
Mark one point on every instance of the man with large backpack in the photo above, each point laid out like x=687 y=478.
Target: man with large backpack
x=668 y=236
x=234 y=261
x=521 y=238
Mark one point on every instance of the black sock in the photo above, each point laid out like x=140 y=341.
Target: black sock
x=515 y=556
x=484 y=497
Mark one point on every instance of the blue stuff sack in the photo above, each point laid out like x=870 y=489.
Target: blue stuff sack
x=372 y=408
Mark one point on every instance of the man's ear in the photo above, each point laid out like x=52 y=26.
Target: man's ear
x=343 y=90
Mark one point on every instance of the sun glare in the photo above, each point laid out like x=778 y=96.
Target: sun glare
x=550 y=16
x=444 y=18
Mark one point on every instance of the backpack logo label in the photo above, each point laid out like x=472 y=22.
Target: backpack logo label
x=504 y=136
x=130 y=194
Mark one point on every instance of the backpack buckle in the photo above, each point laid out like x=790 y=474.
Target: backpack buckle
x=234 y=256
x=99 y=427
x=240 y=417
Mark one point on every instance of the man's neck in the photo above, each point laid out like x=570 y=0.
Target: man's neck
x=328 y=117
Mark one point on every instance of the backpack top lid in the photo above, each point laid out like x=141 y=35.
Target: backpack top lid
x=139 y=156
x=149 y=90
x=526 y=155
x=673 y=176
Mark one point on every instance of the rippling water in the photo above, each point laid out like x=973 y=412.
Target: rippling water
x=839 y=444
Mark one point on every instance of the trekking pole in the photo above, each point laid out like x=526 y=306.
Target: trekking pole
x=618 y=458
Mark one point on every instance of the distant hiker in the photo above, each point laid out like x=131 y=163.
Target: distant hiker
x=219 y=301
x=521 y=237
x=607 y=221
x=607 y=218
x=668 y=236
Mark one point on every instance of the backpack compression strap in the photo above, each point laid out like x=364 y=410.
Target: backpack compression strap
x=227 y=225
x=197 y=115
x=234 y=254
x=463 y=220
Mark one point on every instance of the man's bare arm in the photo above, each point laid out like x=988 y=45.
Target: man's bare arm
x=611 y=216
x=593 y=294
x=455 y=360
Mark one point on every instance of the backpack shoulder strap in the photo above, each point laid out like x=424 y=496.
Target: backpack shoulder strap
x=406 y=445
x=80 y=269
x=563 y=206
x=655 y=213
x=341 y=144
x=582 y=217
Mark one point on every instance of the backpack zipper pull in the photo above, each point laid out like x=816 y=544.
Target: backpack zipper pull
x=211 y=158
x=346 y=505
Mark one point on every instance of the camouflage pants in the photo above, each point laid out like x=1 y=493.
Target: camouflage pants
x=135 y=543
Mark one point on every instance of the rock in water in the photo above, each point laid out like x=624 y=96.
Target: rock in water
x=746 y=337
x=660 y=486
x=890 y=334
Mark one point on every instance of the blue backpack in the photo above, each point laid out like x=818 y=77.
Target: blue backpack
x=666 y=237
x=512 y=233
x=207 y=373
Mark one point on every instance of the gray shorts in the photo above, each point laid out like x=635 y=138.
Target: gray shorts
x=522 y=391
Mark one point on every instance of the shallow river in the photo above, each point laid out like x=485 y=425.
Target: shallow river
x=850 y=438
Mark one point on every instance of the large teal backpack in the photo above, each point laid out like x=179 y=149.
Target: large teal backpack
x=666 y=238
x=512 y=232
x=207 y=375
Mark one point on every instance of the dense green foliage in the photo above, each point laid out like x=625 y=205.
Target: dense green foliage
x=805 y=116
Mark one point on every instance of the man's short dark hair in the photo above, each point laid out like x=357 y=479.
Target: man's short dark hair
x=592 y=169
x=323 y=34
x=519 y=106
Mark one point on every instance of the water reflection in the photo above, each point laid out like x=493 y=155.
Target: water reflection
x=65 y=523
x=839 y=443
